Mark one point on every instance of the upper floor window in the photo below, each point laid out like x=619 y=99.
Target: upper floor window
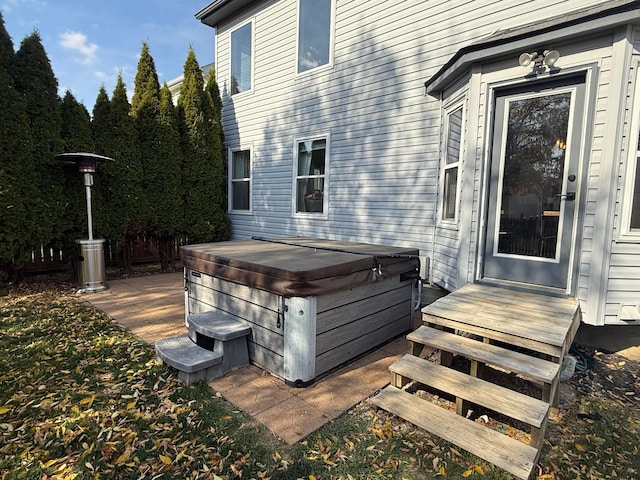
x=310 y=188
x=240 y=184
x=314 y=34
x=241 y=58
x=451 y=163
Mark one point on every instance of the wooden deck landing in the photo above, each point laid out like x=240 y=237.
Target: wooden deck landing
x=520 y=332
x=536 y=321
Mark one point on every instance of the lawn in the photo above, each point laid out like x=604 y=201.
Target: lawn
x=82 y=398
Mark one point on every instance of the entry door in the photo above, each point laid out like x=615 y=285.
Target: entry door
x=533 y=182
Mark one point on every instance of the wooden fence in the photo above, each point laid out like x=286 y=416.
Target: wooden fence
x=142 y=250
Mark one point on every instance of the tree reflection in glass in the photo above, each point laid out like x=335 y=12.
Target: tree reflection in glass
x=533 y=175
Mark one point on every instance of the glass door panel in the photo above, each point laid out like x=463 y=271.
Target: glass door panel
x=533 y=174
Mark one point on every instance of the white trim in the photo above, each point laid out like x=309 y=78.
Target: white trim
x=332 y=34
x=231 y=150
x=632 y=166
x=448 y=110
x=327 y=160
x=253 y=56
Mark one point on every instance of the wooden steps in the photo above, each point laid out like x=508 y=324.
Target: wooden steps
x=511 y=455
x=520 y=363
x=534 y=332
x=513 y=404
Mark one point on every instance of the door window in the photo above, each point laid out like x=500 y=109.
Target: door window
x=533 y=173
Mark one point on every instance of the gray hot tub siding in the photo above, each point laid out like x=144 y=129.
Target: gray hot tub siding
x=310 y=309
x=348 y=322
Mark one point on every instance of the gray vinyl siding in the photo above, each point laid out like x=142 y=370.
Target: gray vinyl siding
x=383 y=175
x=385 y=133
x=623 y=288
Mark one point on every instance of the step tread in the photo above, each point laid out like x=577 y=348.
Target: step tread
x=181 y=353
x=514 y=404
x=527 y=365
x=511 y=455
x=218 y=325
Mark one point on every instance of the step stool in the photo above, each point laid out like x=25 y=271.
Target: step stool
x=215 y=345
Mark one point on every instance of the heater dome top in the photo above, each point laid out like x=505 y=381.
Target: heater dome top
x=86 y=162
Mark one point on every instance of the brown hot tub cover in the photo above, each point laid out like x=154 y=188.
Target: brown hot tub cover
x=299 y=266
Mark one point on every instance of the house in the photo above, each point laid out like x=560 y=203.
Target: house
x=500 y=138
x=176 y=83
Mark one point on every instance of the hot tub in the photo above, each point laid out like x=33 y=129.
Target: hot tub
x=312 y=304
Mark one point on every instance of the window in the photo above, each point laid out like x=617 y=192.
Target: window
x=633 y=215
x=452 y=152
x=631 y=200
x=314 y=34
x=634 y=221
x=240 y=186
x=241 y=58
x=310 y=188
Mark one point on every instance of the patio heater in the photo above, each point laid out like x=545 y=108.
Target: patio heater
x=90 y=252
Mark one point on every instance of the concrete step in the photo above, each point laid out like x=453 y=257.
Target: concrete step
x=193 y=363
x=217 y=325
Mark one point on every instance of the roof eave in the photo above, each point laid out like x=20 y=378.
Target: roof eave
x=510 y=42
x=219 y=10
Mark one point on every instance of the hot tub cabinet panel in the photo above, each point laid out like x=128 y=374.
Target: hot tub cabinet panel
x=300 y=337
x=258 y=308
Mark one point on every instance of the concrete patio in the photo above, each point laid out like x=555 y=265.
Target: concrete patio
x=152 y=308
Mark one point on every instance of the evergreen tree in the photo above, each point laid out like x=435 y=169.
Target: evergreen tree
x=38 y=86
x=120 y=181
x=101 y=133
x=146 y=93
x=18 y=187
x=214 y=92
x=157 y=139
x=203 y=163
x=164 y=180
x=76 y=137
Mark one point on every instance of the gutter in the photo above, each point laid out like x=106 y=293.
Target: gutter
x=220 y=10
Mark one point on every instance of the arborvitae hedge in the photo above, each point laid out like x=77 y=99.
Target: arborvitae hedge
x=18 y=179
x=203 y=164
x=122 y=197
x=76 y=137
x=38 y=86
x=168 y=179
x=165 y=179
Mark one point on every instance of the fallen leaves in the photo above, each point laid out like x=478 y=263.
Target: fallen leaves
x=86 y=399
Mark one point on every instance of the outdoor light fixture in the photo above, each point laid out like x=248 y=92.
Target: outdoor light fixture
x=91 y=270
x=540 y=61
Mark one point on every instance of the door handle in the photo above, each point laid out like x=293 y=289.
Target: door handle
x=571 y=196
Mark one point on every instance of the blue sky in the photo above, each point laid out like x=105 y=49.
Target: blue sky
x=89 y=42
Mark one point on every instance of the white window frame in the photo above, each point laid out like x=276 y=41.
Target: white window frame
x=249 y=179
x=251 y=22
x=325 y=196
x=632 y=168
x=444 y=166
x=332 y=32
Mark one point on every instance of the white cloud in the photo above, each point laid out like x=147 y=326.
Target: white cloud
x=78 y=41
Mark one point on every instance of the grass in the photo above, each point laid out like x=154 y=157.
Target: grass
x=82 y=398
